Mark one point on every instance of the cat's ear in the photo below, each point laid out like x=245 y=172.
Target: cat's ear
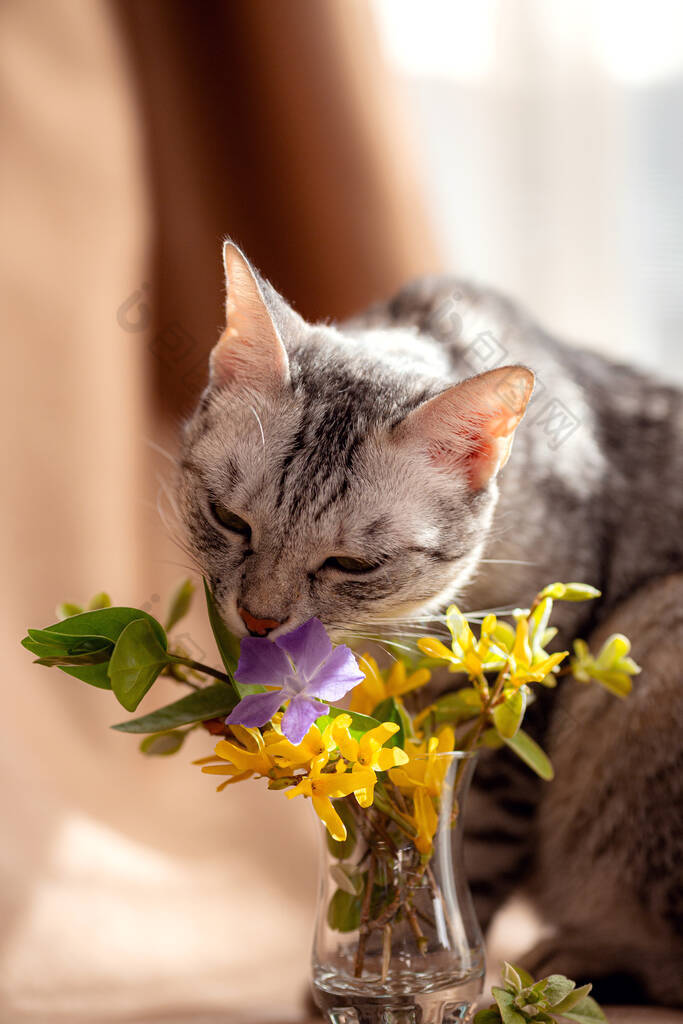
x=470 y=427
x=249 y=353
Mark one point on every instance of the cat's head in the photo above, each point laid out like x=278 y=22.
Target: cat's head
x=320 y=480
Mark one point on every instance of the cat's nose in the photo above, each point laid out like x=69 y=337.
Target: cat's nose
x=257 y=627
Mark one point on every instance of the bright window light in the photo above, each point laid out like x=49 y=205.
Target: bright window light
x=455 y=39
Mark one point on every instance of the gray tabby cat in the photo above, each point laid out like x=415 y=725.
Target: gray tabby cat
x=353 y=473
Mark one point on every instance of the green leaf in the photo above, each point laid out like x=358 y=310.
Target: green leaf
x=347 y=878
x=458 y=706
x=530 y=752
x=511 y=978
x=101 y=600
x=228 y=645
x=572 y=999
x=343 y=913
x=506 y=1005
x=389 y=711
x=490 y=1016
x=136 y=661
x=66 y=609
x=508 y=716
x=557 y=988
x=66 y=643
x=86 y=658
x=162 y=744
x=524 y=976
x=537 y=989
x=179 y=604
x=344 y=849
x=586 y=1012
x=490 y=738
x=360 y=724
x=210 y=702
x=59 y=649
x=102 y=624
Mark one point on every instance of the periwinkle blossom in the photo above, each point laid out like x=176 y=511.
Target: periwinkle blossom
x=307 y=670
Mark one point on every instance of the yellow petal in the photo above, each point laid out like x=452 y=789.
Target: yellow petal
x=434 y=648
x=426 y=820
x=360 y=701
x=488 y=625
x=425 y=713
x=303 y=788
x=236 y=778
x=396 y=677
x=249 y=738
x=379 y=735
x=413 y=682
x=327 y=814
x=521 y=651
x=343 y=738
x=238 y=755
x=458 y=625
x=335 y=785
x=400 y=778
x=545 y=666
x=368 y=665
x=446 y=739
x=390 y=757
x=365 y=797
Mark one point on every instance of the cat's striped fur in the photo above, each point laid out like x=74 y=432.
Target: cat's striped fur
x=317 y=450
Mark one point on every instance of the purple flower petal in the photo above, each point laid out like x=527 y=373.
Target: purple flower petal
x=256 y=709
x=300 y=716
x=262 y=663
x=308 y=647
x=339 y=674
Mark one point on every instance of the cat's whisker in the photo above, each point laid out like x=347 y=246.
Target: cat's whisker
x=171 y=532
x=161 y=450
x=379 y=642
x=178 y=565
x=505 y=561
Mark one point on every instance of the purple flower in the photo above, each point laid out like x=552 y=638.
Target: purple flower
x=305 y=667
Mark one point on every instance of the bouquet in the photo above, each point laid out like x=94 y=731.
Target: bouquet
x=384 y=761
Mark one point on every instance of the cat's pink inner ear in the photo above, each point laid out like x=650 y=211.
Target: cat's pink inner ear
x=470 y=427
x=249 y=353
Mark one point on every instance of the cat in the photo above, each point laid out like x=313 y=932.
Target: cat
x=357 y=473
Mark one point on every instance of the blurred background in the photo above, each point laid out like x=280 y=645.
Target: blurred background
x=347 y=145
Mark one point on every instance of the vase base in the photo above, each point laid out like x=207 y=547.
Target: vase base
x=452 y=1004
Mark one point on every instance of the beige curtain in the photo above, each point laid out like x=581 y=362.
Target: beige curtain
x=134 y=136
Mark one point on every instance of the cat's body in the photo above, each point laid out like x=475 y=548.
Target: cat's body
x=601 y=848
x=328 y=443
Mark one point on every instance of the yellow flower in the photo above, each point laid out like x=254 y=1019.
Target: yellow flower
x=424 y=768
x=612 y=668
x=530 y=663
x=374 y=689
x=467 y=654
x=422 y=779
x=251 y=758
x=425 y=821
x=368 y=752
x=324 y=787
x=314 y=745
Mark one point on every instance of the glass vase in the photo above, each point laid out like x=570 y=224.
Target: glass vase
x=397 y=940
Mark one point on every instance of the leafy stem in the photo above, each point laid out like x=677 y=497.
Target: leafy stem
x=199 y=667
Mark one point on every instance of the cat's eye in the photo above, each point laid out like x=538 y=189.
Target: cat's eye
x=230 y=520
x=346 y=564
